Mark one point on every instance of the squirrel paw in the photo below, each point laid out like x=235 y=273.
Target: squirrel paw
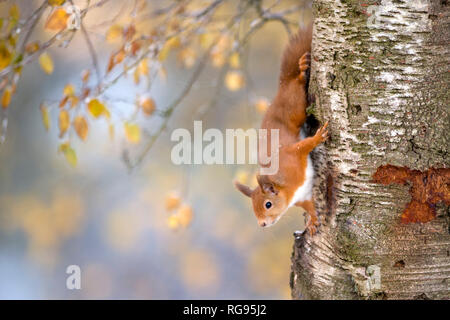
x=304 y=64
x=322 y=134
x=312 y=225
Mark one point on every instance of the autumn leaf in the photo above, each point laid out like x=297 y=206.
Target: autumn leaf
x=14 y=12
x=172 y=43
x=148 y=105
x=46 y=63
x=173 y=222
x=234 y=60
x=56 y=2
x=115 y=59
x=63 y=101
x=262 y=104
x=5 y=56
x=143 y=67
x=73 y=101
x=241 y=176
x=45 y=117
x=185 y=215
x=64 y=122
x=172 y=201
x=97 y=109
x=57 y=20
x=69 y=90
x=114 y=32
x=132 y=132
x=234 y=80
x=206 y=40
x=137 y=77
x=14 y=15
x=81 y=127
x=6 y=98
x=69 y=154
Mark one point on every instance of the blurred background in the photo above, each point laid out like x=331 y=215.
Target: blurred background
x=157 y=231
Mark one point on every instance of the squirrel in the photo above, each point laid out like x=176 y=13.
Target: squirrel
x=292 y=184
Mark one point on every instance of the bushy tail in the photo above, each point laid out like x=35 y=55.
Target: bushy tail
x=298 y=45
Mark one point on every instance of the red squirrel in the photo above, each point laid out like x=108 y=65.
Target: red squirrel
x=292 y=184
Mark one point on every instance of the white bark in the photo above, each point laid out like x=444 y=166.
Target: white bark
x=383 y=82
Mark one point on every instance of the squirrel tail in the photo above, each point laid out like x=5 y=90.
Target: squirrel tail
x=298 y=45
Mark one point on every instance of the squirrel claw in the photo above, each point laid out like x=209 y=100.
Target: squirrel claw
x=322 y=133
x=304 y=64
x=312 y=225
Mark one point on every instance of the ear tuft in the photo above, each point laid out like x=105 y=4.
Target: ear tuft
x=267 y=186
x=243 y=188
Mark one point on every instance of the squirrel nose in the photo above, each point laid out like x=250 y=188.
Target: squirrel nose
x=262 y=224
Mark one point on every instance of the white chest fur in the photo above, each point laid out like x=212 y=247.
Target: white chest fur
x=304 y=192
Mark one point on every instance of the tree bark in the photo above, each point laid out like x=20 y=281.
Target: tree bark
x=380 y=75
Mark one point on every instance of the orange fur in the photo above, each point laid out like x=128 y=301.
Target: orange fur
x=287 y=113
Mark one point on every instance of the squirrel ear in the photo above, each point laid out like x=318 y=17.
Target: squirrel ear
x=243 y=188
x=266 y=184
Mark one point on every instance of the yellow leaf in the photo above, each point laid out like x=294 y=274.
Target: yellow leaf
x=235 y=60
x=45 y=117
x=234 y=80
x=6 y=98
x=73 y=101
x=172 y=43
x=143 y=67
x=185 y=215
x=69 y=153
x=14 y=12
x=241 y=176
x=56 y=2
x=5 y=56
x=147 y=105
x=206 y=40
x=172 y=201
x=57 y=20
x=64 y=122
x=97 y=109
x=69 y=90
x=137 y=76
x=262 y=104
x=173 y=222
x=132 y=132
x=81 y=127
x=114 y=32
x=46 y=63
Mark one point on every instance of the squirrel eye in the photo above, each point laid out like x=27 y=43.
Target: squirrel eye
x=268 y=205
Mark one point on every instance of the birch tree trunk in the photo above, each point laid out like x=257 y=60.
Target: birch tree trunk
x=380 y=75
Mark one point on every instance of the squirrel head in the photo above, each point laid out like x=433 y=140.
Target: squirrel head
x=269 y=200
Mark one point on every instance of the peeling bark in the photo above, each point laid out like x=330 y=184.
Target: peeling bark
x=382 y=79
